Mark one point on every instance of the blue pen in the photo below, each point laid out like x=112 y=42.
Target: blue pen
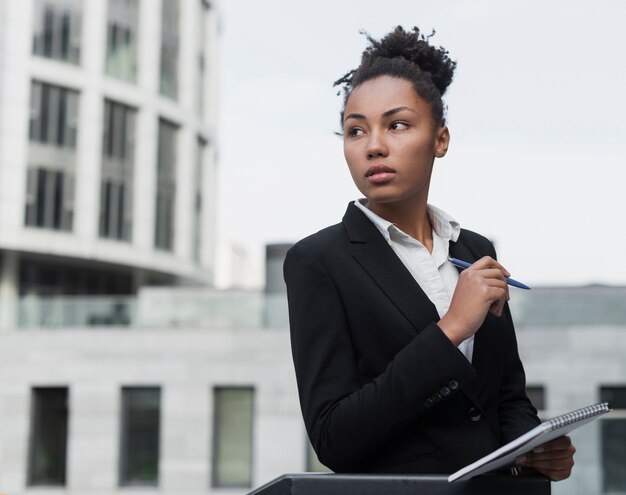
x=510 y=281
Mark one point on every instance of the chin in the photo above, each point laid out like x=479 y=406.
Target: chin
x=383 y=199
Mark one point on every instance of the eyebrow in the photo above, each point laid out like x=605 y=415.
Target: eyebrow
x=397 y=110
x=388 y=113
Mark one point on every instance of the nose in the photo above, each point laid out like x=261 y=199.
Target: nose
x=376 y=145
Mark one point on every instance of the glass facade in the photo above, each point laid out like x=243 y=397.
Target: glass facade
x=169 y=48
x=139 y=445
x=232 y=437
x=41 y=277
x=122 y=30
x=166 y=185
x=613 y=433
x=57 y=29
x=118 y=152
x=52 y=157
x=55 y=296
x=562 y=306
x=48 y=436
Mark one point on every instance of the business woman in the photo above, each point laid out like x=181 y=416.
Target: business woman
x=404 y=364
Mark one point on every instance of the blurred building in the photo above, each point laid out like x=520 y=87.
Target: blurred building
x=236 y=268
x=107 y=146
x=572 y=341
x=196 y=393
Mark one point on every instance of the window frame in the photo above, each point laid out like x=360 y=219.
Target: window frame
x=123 y=480
x=34 y=435
x=216 y=441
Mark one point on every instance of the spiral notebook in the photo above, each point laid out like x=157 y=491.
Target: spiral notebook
x=546 y=431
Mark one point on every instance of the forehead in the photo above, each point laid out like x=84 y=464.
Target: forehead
x=376 y=96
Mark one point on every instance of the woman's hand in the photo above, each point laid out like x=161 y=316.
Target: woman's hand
x=481 y=289
x=553 y=459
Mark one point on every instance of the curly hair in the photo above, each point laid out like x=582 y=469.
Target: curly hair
x=406 y=55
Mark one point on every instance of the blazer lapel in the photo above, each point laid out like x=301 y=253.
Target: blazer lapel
x=387 y=270
x=484 y=339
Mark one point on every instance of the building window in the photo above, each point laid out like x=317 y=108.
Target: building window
x=53 y=115
x=48 y=436
x=54 y=278
x=203 y=20
x=197 y=204
x=232 y=434
x=57 y=30
x=537 y=395
x=121 y=58
x=49 y=199
x=118 y=151
x=166 y=185
x=613 y=431
x=51 y=157
x=169 y=48
x=139 y=456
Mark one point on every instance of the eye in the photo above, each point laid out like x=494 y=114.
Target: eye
x=399 y=125
x=355 y=131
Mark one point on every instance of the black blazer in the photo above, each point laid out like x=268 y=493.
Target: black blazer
x=381 y=387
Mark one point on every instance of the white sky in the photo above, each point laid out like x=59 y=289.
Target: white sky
x=536 y=113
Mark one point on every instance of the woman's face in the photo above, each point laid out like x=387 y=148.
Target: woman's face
x=391 y=141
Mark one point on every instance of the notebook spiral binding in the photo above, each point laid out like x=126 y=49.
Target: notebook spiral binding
x=579 y=414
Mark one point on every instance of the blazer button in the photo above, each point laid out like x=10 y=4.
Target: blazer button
x=474 y=414
x=428 y=403
x=436 y=397
x=453 y=384
x=445 y=391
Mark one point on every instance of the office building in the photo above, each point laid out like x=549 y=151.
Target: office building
x=107 y=146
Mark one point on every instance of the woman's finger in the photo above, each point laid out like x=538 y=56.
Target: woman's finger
x=489 y=262
x=559 y=443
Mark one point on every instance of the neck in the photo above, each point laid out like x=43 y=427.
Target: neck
x=410 y=218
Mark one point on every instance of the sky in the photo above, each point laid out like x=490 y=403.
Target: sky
x=537 y=159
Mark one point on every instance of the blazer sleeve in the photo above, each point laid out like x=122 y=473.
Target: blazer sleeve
x=516 y=412
x=346 y=417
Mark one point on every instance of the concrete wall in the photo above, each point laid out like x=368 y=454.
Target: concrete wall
x=571 y=362
x=186 y=364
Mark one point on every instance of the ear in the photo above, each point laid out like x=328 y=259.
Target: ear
x=442 y=141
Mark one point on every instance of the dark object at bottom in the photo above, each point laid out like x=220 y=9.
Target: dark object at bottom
x=353 y=484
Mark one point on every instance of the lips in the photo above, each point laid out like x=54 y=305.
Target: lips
x=379 y=169
x=379 y=174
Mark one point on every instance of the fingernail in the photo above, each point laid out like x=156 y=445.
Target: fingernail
x=521 y=460
x=538 y=450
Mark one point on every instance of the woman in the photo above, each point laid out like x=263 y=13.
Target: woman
x=405 y=365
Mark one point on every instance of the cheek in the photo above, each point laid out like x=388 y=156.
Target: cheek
x=423 y=149
x=350 y=156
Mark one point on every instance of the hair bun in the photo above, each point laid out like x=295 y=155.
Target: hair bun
x=409 y=56
x=414 y=47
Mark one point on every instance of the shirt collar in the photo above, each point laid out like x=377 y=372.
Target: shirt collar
x=443 y=224
x=446 y=226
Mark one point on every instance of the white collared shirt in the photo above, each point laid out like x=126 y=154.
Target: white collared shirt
x=434 y=274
